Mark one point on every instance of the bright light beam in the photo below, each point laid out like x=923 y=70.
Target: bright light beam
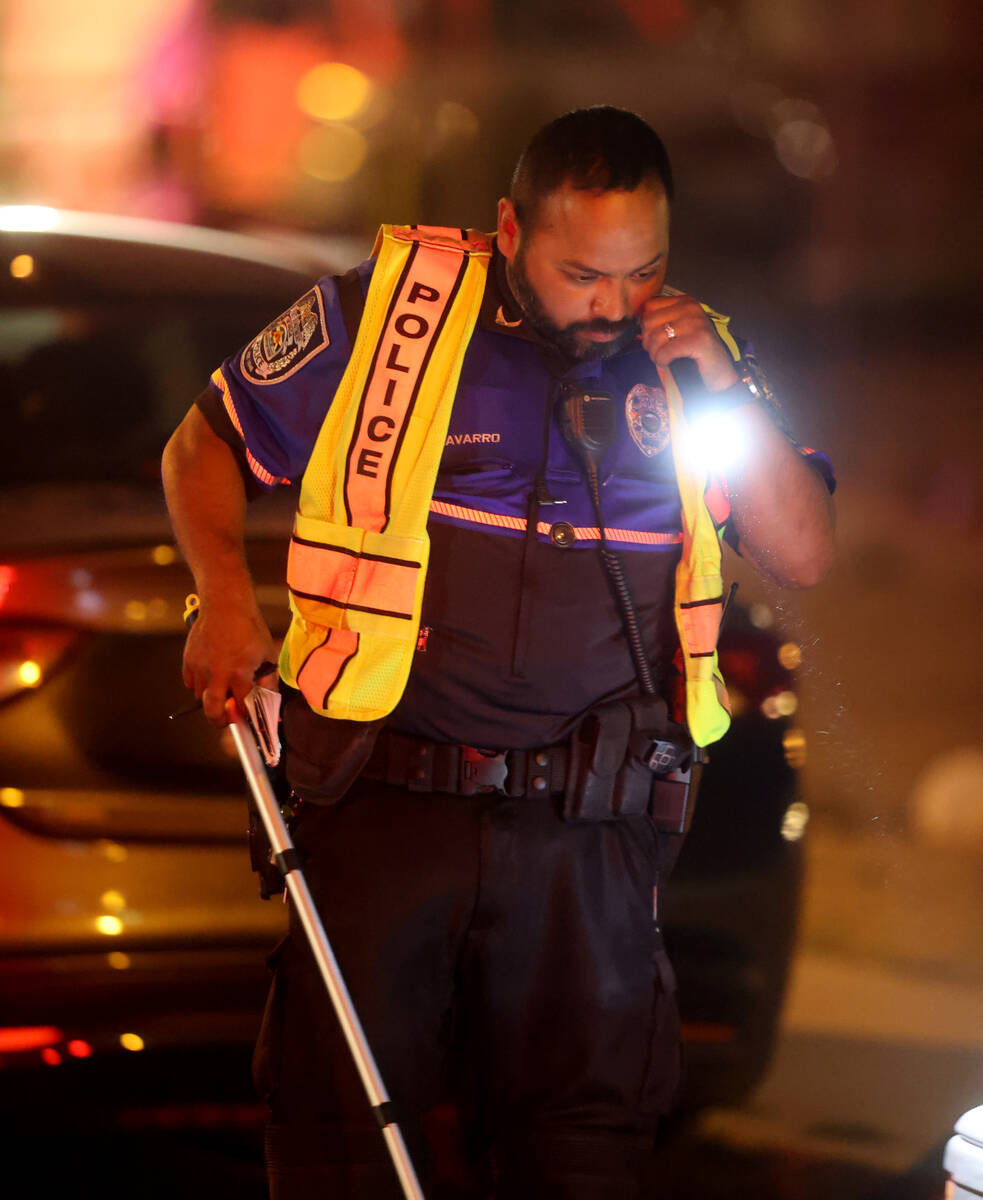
x=716 y=442
x=27 y=218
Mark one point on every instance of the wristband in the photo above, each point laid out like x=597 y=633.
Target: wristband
x=745 y=391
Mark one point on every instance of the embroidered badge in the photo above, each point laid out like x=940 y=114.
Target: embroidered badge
x=647 y=413
x=288 y=342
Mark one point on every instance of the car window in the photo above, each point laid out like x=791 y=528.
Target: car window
x=92 y=394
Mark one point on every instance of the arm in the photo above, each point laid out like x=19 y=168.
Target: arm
x=207 y=502
x=780 y=505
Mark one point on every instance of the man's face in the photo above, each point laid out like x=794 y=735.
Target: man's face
x=586 y=267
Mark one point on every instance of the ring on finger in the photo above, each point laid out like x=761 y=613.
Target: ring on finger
x=670 y=330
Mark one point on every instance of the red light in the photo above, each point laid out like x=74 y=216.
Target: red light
x=79 y=1049
x=51 y=1056
x=7 y=577
x=28 y=1037
x=31 y=648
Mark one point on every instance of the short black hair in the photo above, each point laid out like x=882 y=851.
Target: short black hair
x=599 y=148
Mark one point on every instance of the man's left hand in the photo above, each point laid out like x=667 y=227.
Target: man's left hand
x=677 y=327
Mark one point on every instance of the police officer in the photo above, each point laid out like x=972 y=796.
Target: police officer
x=500 y=949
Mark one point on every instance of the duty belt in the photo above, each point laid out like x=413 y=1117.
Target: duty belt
x=420 y=765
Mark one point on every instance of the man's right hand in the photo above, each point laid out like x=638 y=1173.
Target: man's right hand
x=225 y=646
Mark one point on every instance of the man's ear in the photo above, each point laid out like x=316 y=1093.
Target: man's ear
x=508 y=228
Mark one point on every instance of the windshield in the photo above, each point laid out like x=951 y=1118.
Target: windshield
x=92 y=394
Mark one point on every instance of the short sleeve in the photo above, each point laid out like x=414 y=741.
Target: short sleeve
x=270 y=399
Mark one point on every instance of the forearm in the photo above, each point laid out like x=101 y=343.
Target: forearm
x=780 y=505
x=207 y=503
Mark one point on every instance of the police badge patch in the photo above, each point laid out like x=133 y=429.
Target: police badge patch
x=647 y=413
x=288 y=342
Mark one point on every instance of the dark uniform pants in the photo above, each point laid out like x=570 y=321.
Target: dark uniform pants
x=498 y=957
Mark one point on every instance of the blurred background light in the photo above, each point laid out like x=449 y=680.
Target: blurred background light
x=110 y=926
x=11 y=797
x=131 y=1041
x=113 y=900
x=333 y=91
x=27 y=218
x=761 y=615
x=782 y=704
x=794 y=746
x=14 y=1039
x=29 y=673
x=78 y=1048
x=332 y=153
x=805 y=148
x=118 y=960
x=795 y=821
x=164 y=555
x=791 y=108
x=455 y=123
x=22 y=266
x=790 y=656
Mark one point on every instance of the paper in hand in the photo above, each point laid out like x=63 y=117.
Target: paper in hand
x=263 y=711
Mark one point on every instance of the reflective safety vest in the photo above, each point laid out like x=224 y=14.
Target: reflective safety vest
x=699 y=599
x=358 y=556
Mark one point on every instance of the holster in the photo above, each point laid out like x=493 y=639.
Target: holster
x=322 y=756
x=627 y=758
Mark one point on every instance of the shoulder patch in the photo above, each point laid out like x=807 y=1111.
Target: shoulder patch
x=647 y=413
x=288 y=342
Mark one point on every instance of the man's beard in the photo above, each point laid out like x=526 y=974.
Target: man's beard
x=565 y=337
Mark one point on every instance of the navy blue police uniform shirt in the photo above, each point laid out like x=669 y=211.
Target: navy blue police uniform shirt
x=521 y=632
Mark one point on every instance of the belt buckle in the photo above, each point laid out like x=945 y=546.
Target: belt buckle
x=482 y=772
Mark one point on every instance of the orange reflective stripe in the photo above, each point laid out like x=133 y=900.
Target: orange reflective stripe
x=426 y=290
x=590 y=533
x=476 y=515
x=583 y=533
x=700 y=620
x=346 y=579
x=323 y=666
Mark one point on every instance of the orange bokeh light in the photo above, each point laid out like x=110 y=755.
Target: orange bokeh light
x=28 y=1037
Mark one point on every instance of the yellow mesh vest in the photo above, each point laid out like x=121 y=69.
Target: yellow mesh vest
x=699 y=585
x=358 y=555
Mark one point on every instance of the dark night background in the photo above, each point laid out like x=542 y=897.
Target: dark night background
x=829 y=170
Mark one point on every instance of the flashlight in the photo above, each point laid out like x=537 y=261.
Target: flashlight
x=716 y=439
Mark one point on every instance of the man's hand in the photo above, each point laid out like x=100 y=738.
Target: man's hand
x=225 y=646
x=692 y=336
x=780 y=505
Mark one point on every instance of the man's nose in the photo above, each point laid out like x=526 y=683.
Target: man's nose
x=610 y=300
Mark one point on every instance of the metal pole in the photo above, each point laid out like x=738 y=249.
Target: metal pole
x=286 y=859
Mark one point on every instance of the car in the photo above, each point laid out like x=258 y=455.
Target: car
x=133 y=940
